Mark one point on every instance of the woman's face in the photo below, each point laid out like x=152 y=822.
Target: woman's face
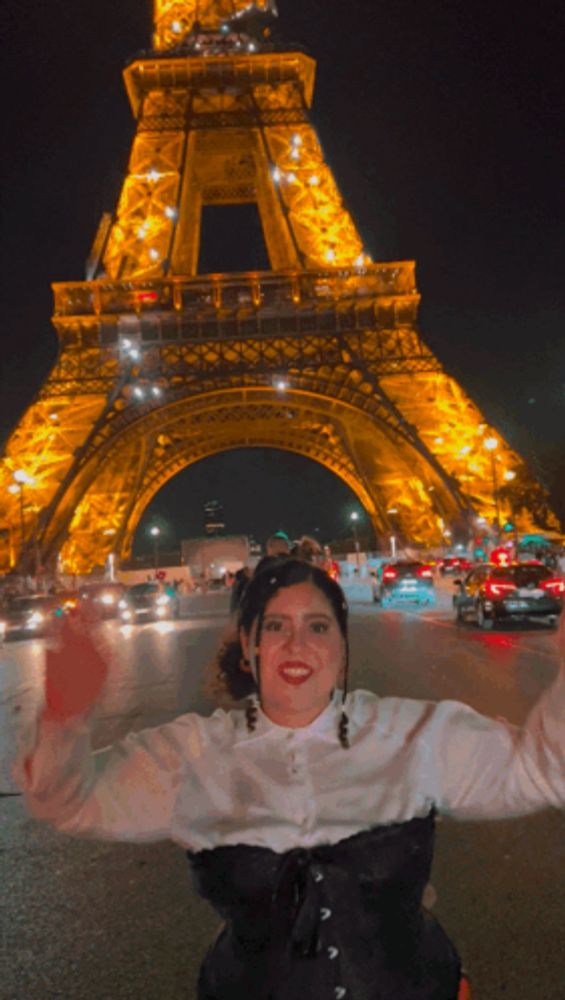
x=301 y=655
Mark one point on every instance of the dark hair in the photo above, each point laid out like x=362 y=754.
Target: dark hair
x=259 y=591
x=268 y=562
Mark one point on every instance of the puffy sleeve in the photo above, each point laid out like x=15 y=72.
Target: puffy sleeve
x=124 y=792
x=485 y=768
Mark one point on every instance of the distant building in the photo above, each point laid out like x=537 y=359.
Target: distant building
x=211 y=558
x=214 y=523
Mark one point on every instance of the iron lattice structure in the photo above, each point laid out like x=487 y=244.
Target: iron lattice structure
x=159 y=366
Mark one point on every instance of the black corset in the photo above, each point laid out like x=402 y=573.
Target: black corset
x=333 y=921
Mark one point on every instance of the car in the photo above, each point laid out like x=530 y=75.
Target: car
x=453 y=564
x=68 y=600
x=105 y=596
x=148 y=602
x=30 y=615
x=520 y=591
x=404 y=582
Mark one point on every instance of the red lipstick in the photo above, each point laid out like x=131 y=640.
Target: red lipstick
x=294 y=672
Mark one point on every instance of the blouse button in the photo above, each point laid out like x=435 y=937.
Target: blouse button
x=333 y=952
x=339 y=992
x=325 y=913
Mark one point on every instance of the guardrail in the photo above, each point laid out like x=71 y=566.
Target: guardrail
x=225 y=294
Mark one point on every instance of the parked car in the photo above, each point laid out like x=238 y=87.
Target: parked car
x=454 y=564
x=404 y=582
x=148 y=602
x=520 y=591
x=105 y=596
x=31 y=615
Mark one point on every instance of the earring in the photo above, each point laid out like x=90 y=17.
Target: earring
x=250 y=715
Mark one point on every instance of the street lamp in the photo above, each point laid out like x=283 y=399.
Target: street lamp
x=491 y=444
x=155 y=532
x=354 y=517
x=21 y=478
x=393 y=511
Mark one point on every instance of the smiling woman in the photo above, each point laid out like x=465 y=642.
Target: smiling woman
x=291 y=650
x=307 y=817
x=302 y=655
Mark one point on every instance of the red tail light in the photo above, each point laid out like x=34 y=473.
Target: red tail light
x=498 y=589
x=425 y=571
x=555 y=587
x=389 y=574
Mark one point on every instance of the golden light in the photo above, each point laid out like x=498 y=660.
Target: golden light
x=491 y=443
x=509 y=475
x=23 y=477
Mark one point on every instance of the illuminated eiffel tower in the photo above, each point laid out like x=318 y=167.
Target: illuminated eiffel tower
x=160 y=366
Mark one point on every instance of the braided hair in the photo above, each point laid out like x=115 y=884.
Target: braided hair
x=233 y=673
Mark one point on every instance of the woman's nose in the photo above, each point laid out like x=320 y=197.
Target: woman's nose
x=292 y=637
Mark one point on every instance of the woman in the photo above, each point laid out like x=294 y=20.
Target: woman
x=308 y=817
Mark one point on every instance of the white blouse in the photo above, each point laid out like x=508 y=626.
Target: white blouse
x=204 y=782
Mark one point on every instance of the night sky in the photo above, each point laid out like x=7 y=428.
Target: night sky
x=443 y=122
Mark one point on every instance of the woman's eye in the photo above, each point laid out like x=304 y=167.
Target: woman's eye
x=319 y=627
x=272 y=626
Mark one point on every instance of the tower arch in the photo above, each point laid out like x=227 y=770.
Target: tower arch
x=380 y=467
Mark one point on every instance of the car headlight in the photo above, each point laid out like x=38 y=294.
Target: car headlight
x=35 y=618
x=162 y=610
x=127 y=615
x=107 y=599
x=122 y=604
x=163 y=599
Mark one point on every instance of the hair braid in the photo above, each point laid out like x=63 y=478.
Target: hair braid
x=343 y=725
x=251 y=715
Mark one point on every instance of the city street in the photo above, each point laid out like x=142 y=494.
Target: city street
x=90 y=921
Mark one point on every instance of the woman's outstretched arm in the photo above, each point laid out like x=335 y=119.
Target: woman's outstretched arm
x=124 y=792
x=489 y=769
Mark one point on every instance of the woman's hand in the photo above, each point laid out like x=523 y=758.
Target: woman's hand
x=75 y=670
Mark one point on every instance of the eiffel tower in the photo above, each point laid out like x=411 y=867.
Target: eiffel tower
x=160 y=366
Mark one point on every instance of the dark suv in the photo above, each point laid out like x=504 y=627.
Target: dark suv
x=453 y=564
x=104 y=596
x=404 y=582
x=492 y=593
x=148 y=602
x=32 y=615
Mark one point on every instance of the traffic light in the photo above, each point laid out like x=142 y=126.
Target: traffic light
x=508 y=526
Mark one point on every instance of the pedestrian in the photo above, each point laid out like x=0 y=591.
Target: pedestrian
x=239 y=584
x=277 y=548
x=307 y=816
x=329 y=564
x=308 y=549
